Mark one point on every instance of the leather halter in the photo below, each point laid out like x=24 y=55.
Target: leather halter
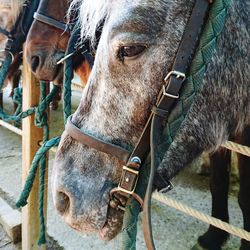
x=153 y=129
x=51 y=21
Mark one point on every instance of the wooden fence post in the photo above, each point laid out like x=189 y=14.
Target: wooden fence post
x=30 y=139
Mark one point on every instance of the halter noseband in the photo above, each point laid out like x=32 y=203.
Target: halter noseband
x=51 y=21
x=98 y=144
x=153 y=128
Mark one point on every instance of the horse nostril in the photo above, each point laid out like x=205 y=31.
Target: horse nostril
x=62 y=202
x=34 y=63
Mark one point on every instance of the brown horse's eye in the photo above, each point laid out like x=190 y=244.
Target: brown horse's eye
x=130 y=51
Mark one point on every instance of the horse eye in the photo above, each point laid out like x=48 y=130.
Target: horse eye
x=130 y=51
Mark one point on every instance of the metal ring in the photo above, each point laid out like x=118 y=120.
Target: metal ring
x=7 y=51
x=136 y=159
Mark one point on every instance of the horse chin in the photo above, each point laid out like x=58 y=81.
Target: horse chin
x=113 y=224
x=110 y=229
x=54 y=74
x=58 y=79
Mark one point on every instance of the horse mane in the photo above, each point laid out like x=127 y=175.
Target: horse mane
x=14 y=7
x=92 y=13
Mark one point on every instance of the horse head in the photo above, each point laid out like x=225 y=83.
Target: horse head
x=9 y=10
x=46 y=43
x=135 y=51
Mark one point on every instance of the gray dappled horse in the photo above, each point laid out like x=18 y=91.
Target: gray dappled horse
x=135 y=52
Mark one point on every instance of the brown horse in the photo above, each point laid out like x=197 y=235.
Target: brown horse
x=9 y=11
x=46 y=44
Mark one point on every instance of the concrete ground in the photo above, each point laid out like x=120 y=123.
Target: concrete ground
x=5 y=242
x=172 y=229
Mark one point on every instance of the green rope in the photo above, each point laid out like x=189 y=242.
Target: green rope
x=22 y=201
x=42 y=173
x=5 y=68
x=39 y=110
x=18 y=99
x=203 y=55
x=133 y=208
x=69 y=72
x=41 y=121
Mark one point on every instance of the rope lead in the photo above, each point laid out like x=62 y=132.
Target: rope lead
x=41 y=121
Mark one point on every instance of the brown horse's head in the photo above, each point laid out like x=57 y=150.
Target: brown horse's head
x=9 y=11
x=136 y=49
x=45 y=44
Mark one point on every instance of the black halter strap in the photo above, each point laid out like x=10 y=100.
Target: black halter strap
x=51 y=21
x=153 y=129
x=18 y=33
x=5 y=32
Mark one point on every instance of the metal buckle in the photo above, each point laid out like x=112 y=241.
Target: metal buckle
x=169 y=95
x=178 y=75
x=128 y=180
x=169 y=187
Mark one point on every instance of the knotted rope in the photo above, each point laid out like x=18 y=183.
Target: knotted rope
x=41 y=121
x=40 y=157
x=39 y=110
x=203 y=55
x=14 y=46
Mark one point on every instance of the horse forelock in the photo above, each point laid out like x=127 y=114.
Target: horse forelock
x=92 y=14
